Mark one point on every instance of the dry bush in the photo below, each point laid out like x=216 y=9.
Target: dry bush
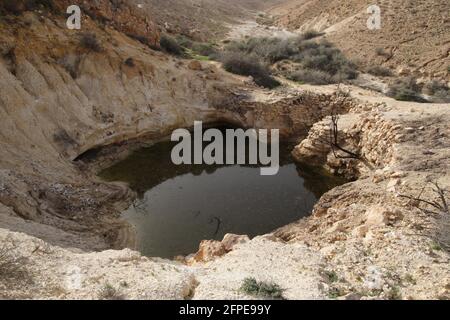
x=406 y=89
x=13 y=266
x=170 y=45
x=261 y=289
x=316 y=77
x=90 y=42
x=320 y=62
x=249 y=66
x=108 y=292
x=380 y=71
x=438 y=90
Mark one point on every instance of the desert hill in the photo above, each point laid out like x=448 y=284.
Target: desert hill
x=414 y=35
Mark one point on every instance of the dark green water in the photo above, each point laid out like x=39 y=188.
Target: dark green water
x=178 y=206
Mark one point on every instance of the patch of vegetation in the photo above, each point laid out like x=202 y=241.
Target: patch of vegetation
x=316 y=77
x=448 y=69
x=13 y=266
x=332 y=276
x=394 y=293
x=324 y=57
x=265 y=20
x=261 y=289
x=406 y=89
x=334 y=293
x=90 y=42
x=438 y=90
x=248 y=66
x=270 y=50
x=318 y=61
x=197 y=50
x=410 y=279
x=108 y=292
x=204 y=49
x=170 y=45
x=435 y=246
x=380 y=71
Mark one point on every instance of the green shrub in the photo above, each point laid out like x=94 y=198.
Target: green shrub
x=332 y=276
x=270 y=50
x=394 y=293
x=321 y=63
x=380 y=71
x=261 y=289
x=204 y=49
x=184 y=41
x=249 y=66
x=435 y=246
x=170 y=45
x=324 y=57
x=108 y=292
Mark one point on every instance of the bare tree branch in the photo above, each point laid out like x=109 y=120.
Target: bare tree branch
x=441 y=204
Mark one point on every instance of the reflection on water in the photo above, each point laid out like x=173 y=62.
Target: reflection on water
x=178 y=206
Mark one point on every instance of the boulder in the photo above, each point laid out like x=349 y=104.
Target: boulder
x=379 y=216
x=195 y=65
x=231 y=240
x=209 y=250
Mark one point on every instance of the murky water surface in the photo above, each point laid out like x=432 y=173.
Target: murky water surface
x=178 y=206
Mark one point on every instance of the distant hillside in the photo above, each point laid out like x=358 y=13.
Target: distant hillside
x=414 y=38
x=203 y=20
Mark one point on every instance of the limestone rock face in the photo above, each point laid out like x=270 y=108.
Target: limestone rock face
x=210 y=249
x=378 y=215
x=231 y=240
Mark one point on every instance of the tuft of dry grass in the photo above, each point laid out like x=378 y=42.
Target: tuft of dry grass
x=13 y=266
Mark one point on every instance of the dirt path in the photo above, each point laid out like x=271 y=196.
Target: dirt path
x=251 y=28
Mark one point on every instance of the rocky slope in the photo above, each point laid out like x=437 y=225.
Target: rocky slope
x=202 y=20
x=414 y=35
x=61 y=99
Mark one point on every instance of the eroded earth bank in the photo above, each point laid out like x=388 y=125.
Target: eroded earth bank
x=384 y=235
